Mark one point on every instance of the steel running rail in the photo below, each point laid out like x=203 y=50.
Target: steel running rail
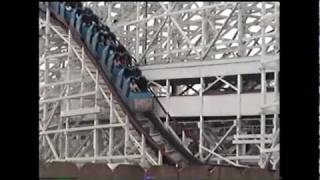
x=176 y=127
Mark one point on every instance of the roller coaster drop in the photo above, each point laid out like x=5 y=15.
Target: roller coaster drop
x=147 y=140
x=133 y=104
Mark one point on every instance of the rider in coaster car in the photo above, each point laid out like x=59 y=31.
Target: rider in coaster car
x=111 y=38
x=123 y=55
x=94 y=18
x=104 y=38
x=77 y=13
x=80 y=11
x=109 y=41
x=89 y=18
x=101 y=40
x=86 y=20
x=135 y=71
x=87 y=11
x=99 y=27
x=142 y=83
x=121 y=49
x=105 y=28
x=133 y=86
x=117 y=62
x=127 y=59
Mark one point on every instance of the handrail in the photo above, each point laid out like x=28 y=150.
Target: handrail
x=170 y=118
x=162 y=107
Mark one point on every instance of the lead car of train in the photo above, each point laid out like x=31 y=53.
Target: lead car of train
x=108 y=53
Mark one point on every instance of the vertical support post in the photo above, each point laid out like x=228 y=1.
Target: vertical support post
x=263 y=81
x=44 y=144
x=47 y=27
x=263 y=115
x=276 y=96
x=126 y=34
x=238 y=123
x=82 y=76
x=276 y=73
x=126 y=136
x=60 y=136
x=152 y=33
x=95 y=130
x=137 y=32
x=143 y=148
x=201 y=119
x=183 y=136
x=109 y=12
x=169 y=34
x=277 y=25
x=160 y=160
x=203 y=32
x=144 y=46
x=111 y=129
x=241 y=49
x=168 y=100
x=66 y=150
x=214 y=31
x=68 y=90
x=46 y=72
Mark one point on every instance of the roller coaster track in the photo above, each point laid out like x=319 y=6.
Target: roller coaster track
x=160 y=138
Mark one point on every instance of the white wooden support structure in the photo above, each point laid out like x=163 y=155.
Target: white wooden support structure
x=210 y=44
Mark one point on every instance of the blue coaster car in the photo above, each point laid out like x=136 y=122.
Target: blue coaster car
x=62 y=8
x=140 y=102
x=87 y=21
x=79 y=23
x=84 y=30
x=137 y=101
x=106 y=59
x=75 y=15
x=99 y=43
x=123 y=74
x=93 y=29
x=115 y=70
x=105 y=55
x=68 y=12
x=94 y=42
x=99 y=48
x=110 y=64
